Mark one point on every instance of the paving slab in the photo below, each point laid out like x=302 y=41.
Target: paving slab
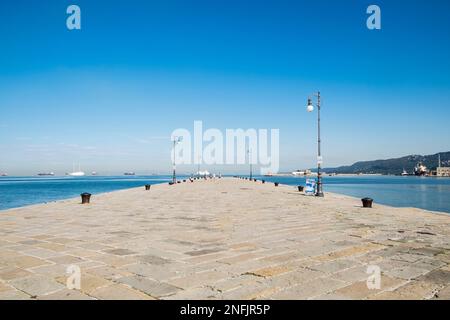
x=36 y=285
x=150 y=287
x=119 y=292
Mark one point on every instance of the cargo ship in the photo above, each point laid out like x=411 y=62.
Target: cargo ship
x=46 y=174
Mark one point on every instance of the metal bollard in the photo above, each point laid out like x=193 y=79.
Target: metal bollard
x=301 y=188
x=147 y=187
x=276 y=184
x=367 y=202
x=85 y=198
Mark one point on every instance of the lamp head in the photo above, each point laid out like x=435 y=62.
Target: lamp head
x=310 y=107
x=177 y=139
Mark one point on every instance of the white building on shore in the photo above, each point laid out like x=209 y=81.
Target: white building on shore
x=442 y=171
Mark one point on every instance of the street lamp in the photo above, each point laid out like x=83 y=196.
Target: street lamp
x=310 y=108
x=250 y=161
x=175 y=141
x=198 y=166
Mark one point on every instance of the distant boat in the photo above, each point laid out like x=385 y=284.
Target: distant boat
x=93 y=173
x=404 y=173
x=46 y=174
x=129 y=174
x=3 y=174
x=300 y=173
x=78 y=173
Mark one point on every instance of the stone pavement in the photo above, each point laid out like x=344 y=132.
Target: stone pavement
x=222 y=239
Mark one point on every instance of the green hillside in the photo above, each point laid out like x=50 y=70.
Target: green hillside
x=394 y=166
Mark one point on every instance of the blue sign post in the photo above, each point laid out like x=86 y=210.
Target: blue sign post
x=310 y=188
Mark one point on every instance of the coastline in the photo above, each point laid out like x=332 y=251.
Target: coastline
x=222 y=239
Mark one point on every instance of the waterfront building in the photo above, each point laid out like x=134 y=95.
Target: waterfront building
x=442 y=171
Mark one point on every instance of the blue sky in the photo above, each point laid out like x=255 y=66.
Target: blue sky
x=109 y=95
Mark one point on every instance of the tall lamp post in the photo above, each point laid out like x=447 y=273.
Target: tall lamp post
x=310 y=108
x=198 y=166
x=175 y=141
x=250 y=161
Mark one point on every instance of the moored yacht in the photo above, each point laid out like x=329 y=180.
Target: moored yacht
x=78 y=173
x=420 y=170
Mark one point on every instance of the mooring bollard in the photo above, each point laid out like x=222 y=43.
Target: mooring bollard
x=264 y=181
x=184 y=180
x=367 y=202
x=147 y=187
x=300 y=188
x=254 y=180
x=85 y=198
x=276 y=184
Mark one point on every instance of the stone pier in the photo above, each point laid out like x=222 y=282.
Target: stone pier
x=223 y=239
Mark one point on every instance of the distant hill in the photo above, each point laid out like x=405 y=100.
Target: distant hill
x=394 y=166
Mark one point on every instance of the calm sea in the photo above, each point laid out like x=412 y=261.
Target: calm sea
x=426 y=193
x=22 y=191
x=419 y=192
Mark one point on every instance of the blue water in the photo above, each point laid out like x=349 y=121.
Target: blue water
x=419 y=192
x=22 y=191
x=426 y=193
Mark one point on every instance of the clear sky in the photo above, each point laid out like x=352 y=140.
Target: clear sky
x=109 y=95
